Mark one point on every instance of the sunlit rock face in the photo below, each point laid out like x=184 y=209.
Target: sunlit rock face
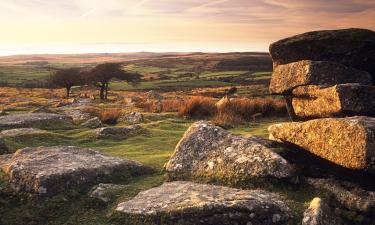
x=348 y=142
x=319 y=213
x=336 y=101
x=50 y=170
x=187 y=203
x=307 y=72
x=209 y=152
x=351 y=47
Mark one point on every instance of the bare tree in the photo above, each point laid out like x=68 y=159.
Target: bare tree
x=102 y=74
x=66 y=78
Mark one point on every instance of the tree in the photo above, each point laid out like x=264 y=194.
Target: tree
x=102 y=74
x=66 y=78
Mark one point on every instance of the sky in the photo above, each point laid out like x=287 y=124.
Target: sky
x=105 y=26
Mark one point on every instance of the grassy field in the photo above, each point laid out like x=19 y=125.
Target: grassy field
x=153 y=148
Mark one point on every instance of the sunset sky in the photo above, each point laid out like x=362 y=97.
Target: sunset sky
x=78 y=26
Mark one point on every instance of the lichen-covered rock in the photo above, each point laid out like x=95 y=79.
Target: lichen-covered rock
x=50 y=170
x=93 y=123
x=106 y=192
x=78 y=115
x=319 y=213
x=119 y=132
x=32 y=120
x=349 y=142
x=3 y=147
x=153 y=95
x=210 y=152
x=133 y=117
x=306 y=72
x=351 y=47
x=187 y=203
x=19 y=132
x=336 y=101
x=348 y=194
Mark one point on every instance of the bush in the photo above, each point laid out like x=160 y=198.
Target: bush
x=108 y=116
x=198 y=107
x=241 y=110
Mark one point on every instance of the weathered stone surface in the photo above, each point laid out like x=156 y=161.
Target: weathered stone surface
x=93 y=123
x=208 y=151
x=133 y=117
x=50 y=170
x=78 y=115
x=349 y=142
x=31 y=120
x=336 y=101
x=3 y=147
x=18 y=132
x=119 y=132
x=351 y=47
x=153 y=95
x=319 y=213
x=306 y=72
x=184 y=203
x=348 y=194
x=106 y=192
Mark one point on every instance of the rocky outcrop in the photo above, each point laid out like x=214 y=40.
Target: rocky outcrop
x=104 y=193
x=50 y=170
x=348 y=194
x=210 y=152
x=306 y=72
x=93 y=123
x=78 y=115
x=32 y=120
x=119 y=132
x=349 y=142
x=187 y=203
x=19 y=132
x=319 y=213
x=335 y=101
x=351 y=47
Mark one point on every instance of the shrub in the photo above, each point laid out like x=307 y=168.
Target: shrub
x=198 y=107
x=106 y=115
x=241 y=110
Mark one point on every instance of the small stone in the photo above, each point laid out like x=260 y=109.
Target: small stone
x=105 y=192
x=119 y=132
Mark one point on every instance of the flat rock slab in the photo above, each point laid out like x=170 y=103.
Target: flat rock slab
x=50 y=170
x=348 y=194
x=17 y=132
x=337 y=101
x=307 y=72
x=351 y=47
x=31 y=120
x=190 y=203
x=319 y=213
x=210 y=152
x=119 y=132
x=348 y=142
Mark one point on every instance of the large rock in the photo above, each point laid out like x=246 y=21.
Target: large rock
x=351 y=47
x=306 y=72
x=210 y=152
x=133 y=118
x=119 y=132
x=93 y=123
x=50 y=170
x=187 y=203
x=348 y=142
x=32 y=120
x=319 y=213
x=348 y=194
x=336 y=101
